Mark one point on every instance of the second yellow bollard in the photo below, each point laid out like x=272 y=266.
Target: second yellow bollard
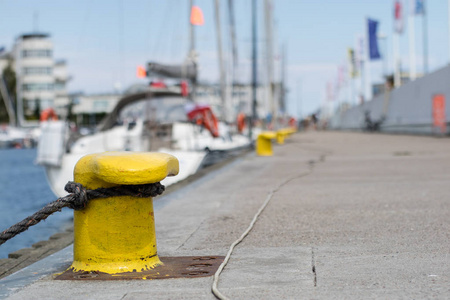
x=264 y=143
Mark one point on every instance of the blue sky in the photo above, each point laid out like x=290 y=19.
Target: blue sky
x=103 y=41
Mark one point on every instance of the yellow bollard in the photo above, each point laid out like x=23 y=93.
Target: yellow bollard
x=117 y=234
x=282 y=134
x=289 y=131
x=264 y=143
x=280 y=137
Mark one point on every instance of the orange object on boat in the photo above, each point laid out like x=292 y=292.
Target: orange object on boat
x=48 y=114
x=158 y=85
x=240 y=122
x=292 y=122
x=184 y=88
x=203 y=115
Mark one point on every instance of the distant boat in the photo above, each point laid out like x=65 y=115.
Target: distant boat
x=13 y=137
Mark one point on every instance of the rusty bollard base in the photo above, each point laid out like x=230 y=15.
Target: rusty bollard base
x=173 y=267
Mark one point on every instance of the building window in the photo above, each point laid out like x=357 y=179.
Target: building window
x=59 y=86
x=100 y=106
x=46 y=103
x=239 y=93
x=42 y=103
x=37 y=53
x=37 y=87
x=37 y=71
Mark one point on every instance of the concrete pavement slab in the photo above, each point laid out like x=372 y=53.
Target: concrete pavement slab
x=355 y=216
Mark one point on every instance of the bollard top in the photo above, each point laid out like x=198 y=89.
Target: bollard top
x=268 y=134
x=287 y=131
x=110 y=169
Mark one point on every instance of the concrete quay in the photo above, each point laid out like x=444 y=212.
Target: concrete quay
x=352 y=216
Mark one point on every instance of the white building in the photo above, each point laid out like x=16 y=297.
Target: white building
x=40 y=79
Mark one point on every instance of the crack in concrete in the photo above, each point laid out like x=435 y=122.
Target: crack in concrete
x=124 y=296
x=191 y=235
x=313 y=265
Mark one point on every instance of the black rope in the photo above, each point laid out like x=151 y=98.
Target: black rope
x=78 y=199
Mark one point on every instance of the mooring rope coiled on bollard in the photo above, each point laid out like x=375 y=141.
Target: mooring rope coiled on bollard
x=78 y=199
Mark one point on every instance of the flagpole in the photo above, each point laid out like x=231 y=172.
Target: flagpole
x=396 y=60
x=368 y=83
x=352 y=102
x=360 y=58
x=412 y=47
x=448 y=23
x=385 y=53
x=425 y=36
x=396 y=45
x=351 y=74
x=398 y=28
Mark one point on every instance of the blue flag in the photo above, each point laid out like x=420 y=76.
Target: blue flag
x=419 y=8
x=373 y=41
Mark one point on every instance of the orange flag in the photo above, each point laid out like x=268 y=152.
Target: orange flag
x=197 y=16
x=141 y=72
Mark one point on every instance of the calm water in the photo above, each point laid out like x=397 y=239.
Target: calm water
x=23 y=191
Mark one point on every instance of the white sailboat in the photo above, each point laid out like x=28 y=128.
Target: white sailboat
x=151 y=120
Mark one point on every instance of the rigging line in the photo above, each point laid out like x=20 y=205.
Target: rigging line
x=148 y=33
x=158 y=44
x=87 y=14
x=120 y=76
x=174 y=30
x=232 y=27
x=214 y=288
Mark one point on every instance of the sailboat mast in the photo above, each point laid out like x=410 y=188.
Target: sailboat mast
x=232 y=33
x=191 y=32
x=254 y=68
x=283 y=80
x=234 y=54
x=192 y=55
x=221 y=66
x=269 y=53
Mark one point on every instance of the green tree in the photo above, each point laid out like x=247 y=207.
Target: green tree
x=37 y=109
x=3 y=112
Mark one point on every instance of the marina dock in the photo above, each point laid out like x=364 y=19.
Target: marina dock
x=349 y=216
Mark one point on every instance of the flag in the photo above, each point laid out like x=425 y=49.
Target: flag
x=352 y=70
x=418 y=7
x=398 y=16
x=372 y=26
x=2 y=49
x=141 y=72
x=197 y=16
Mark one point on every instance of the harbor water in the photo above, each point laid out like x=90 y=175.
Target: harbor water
x=23 y=191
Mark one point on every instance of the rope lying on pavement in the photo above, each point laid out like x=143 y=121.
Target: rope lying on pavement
x=214 y=288
x=78 y=199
